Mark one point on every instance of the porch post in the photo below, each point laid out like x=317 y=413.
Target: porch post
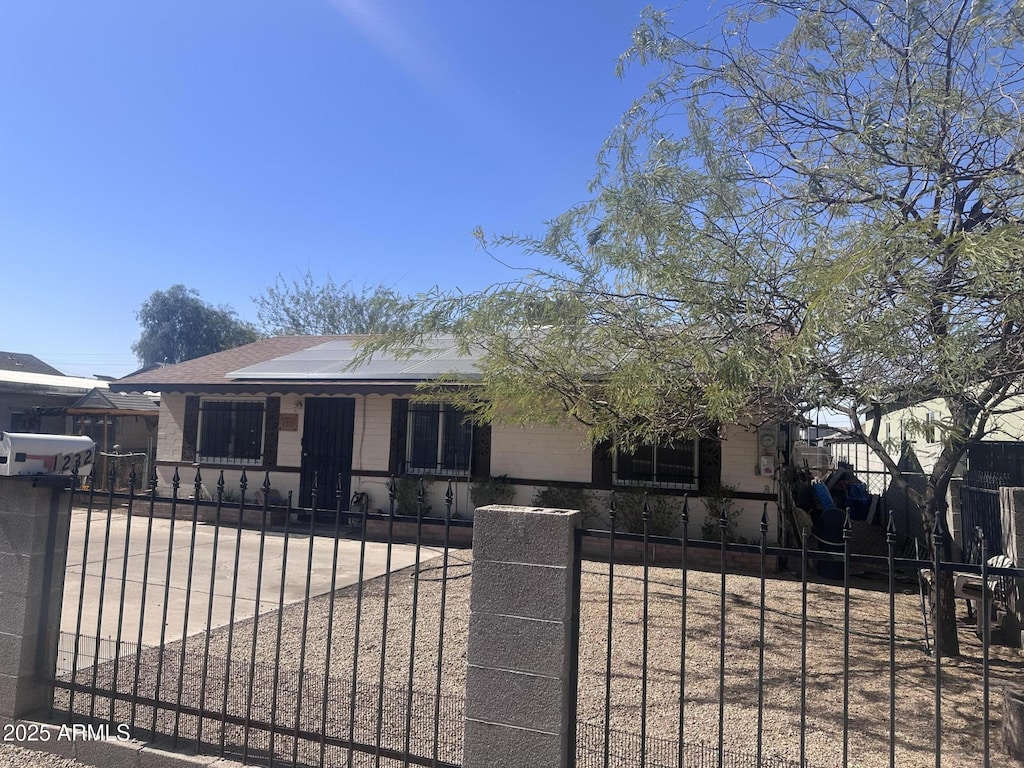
x=523 y=639
x=34 y=529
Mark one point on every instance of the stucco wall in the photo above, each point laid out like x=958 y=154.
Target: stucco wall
x=289 y=443
x=536 y=454
x=169 y=429
x=541 y=453
x=372 y=440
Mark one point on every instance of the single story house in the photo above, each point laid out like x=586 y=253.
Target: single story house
x=34 y=396
x=291 y=406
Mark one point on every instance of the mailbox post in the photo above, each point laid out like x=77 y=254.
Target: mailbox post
x=34 y=527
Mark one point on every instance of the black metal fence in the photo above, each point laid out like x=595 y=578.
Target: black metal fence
x=258 y=633
x=979 y=507
x=722 y=660
x=310 y=648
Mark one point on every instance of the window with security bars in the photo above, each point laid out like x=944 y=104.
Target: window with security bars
x=440 y=440
x=671 y=466
x=231 y=431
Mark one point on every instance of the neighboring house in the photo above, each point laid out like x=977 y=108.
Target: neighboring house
x=122 y=424
x=34 y=396
x=919 y=428
x=290 y=405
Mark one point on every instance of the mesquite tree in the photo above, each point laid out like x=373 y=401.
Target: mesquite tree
x=818 y=203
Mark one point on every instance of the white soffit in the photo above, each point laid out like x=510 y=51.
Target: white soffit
x=331 y=360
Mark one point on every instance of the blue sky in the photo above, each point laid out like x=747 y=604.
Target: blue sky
x=217 y=144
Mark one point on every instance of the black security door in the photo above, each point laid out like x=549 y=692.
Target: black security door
x=327 y=452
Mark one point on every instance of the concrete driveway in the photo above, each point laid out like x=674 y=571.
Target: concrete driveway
x=129 y=590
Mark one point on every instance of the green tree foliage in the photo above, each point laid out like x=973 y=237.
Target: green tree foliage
x=816 y=203
x=177 y=325
x=833 y=220
x=307 y=307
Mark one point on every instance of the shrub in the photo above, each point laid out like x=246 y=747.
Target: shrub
x=718 y=501
x=562 y=497
x=407 y=488
x=491 y=490
x=629 y=505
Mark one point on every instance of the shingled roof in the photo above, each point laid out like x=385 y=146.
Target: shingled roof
x=121 y=402
x=213 y=369
x=15 y=361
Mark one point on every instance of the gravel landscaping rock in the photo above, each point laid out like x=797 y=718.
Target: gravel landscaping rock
x=303 y=646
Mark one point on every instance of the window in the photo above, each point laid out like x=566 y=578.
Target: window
x=668 y=466
x=231 y=431
x=440 y=440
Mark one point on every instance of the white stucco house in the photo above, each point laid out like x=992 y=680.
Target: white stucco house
x=292 y=407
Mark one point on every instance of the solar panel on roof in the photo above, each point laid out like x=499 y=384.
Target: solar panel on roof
x=331 y=360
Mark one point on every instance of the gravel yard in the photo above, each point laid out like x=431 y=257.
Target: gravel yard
x=869 y=671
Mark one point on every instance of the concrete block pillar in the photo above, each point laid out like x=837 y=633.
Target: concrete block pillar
x=523 y=639
x=34 y=526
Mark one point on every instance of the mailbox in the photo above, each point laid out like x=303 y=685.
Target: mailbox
x=29 y=454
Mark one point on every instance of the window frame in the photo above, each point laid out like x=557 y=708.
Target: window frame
x=444 y=413
x=654 y=482
x=232 y=454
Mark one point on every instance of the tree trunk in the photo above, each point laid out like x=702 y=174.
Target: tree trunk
x=943 y=616
x=943 y=604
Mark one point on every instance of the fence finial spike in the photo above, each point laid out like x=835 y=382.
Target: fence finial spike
x=611 y=505
x=449 y=495
x=220 y=483
x=198 y=482
x=175 y=480
x=847 y=525
x=152 y=478
x=890 y=528
x=266 y=481
x=685 y=516
x=764 y=518
x=646 y=509
x=243 y=481
x=132 y=477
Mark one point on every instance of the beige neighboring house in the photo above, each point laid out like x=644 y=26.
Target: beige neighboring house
x=920 y=427
x=292 y=407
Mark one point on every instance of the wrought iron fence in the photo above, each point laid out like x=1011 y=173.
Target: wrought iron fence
x=979 y=508
x=261 y=638
x=243 y=655
x=762 y=668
